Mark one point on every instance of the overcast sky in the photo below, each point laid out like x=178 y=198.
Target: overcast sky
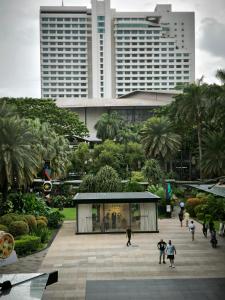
x=20 y=49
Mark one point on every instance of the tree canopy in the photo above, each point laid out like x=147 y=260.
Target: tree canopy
x=62 y=121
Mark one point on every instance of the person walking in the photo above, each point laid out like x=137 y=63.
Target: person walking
x=192 y=230
x=186 y=218
x=162 y=247
x=128 y=234
x=181 y=217
x=171 y=251
x=204 y=229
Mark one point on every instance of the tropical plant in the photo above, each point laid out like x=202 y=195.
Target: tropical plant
x=191 y=107
x=19 y=160
x=81 y=159
x=107 y=180
x=108 y=126
x=152 y=171
x=62 y=121
x=213 y=162
x=88 y=184
x=159 y=139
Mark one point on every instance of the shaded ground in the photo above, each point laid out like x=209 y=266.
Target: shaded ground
x=156 y=289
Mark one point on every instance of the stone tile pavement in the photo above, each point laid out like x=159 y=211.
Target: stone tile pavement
x=79 y=258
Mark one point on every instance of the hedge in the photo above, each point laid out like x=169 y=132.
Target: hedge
x=27 y=244
x=18 y=228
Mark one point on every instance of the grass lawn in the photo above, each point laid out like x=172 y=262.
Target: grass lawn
x=69 y=213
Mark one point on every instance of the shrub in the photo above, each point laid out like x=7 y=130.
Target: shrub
x=133 y=186
x=43 y=218
x=6 y=220
x=4 y=228
x=54 y=219
x=191 y=204
x=32 y=222
x=43 y=233
x=41 y=224
x=26 y=244
x=35 y=205
x=17 y=228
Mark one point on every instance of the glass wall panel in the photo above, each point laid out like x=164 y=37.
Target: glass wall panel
x=135 y=216
x=116 y=216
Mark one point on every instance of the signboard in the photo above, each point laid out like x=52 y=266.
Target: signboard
x=168 y=208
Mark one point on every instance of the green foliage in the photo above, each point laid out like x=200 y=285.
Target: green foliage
x=88 y=184
x=134 y=155
x=108 y=126
x=41 y=224
x=27 y=244
x=107 y=180
x=43 y=218
x=31 y=221
x=54 y=219
x=4 y=228
x=133 y=186
x=17 y=228
x=62 y=121
x=211 y=206
x=159 y=191
x=152 y=171
x=191 y=204
x=137 y=176
x=159 y=139
x=81 y=159
x=43 y=233
x=35 y=205
x=213 y=158
x=58 y=201
x=111 y=154
x=7 y=219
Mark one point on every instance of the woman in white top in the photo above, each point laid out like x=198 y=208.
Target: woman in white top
x=192 y=230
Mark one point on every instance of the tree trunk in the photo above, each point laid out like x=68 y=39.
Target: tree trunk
x=200 y=148
x=4 y=196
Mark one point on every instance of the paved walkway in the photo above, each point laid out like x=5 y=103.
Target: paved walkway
x=105 y=257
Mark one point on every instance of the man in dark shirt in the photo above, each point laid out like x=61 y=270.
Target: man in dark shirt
x=128 y=234
x=162 y=247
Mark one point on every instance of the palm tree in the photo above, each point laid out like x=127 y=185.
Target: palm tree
x=19 y=160
x=213 y=163
x=108 y=126
x=159 y=139
x=191 y=107
x=220 y=74
x=52 y=147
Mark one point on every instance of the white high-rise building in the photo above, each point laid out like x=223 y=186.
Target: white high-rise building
x=101 y=53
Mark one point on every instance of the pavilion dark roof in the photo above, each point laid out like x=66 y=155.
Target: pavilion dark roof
x=116 y=197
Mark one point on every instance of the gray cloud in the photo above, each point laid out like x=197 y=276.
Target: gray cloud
x=212 y=37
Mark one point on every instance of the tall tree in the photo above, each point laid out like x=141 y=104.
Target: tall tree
x=159 y=139
x=108 y=126
x=62 y=121
x=191 y=107
x=107 y=180
x=19 y=160
x=213 y=163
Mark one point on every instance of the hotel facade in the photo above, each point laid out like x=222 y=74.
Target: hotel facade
x=101 y=53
